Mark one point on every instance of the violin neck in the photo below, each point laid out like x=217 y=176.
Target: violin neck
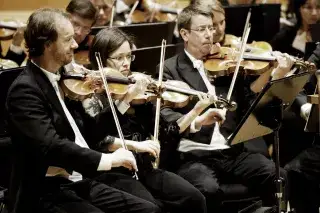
x=120 y=80
x=181 y=90
x=249 y=56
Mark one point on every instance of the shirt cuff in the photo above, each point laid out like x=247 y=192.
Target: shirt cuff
x=122 y=106
x=105 y=162
x=193 y=127
x=16 y=49
x=305 y=110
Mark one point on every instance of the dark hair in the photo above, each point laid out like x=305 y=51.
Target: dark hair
x=83 y=8
x=42 y=29
x=294 y=7
x=184 y=18
x=106 y=42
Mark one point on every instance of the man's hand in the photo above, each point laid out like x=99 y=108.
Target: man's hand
x=149 y=146
x=18 y=37
x=211 y=116
x=205 y=100
x=125 y=158
x=285 y=63
x=215 y=49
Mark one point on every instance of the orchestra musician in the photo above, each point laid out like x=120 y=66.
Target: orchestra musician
x=293 y=39
x=171 y=192
x=303 y=171
x=203 y=162
x=52 y=156
x=83 y=16
x=15 y=52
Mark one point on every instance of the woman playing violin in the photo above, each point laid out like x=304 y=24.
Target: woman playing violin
x=171 y=192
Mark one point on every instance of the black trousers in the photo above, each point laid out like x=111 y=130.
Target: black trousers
x=89 y=196
x=304 y=179
x=165 y=189
x=207 y=172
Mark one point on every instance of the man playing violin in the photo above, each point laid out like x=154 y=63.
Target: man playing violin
x=168 y=190
x=52 y=150
x=83 y=15
x=205 y=161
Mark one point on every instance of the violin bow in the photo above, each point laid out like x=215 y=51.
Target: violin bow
x=112 y=13
x=159 y=85
x=128 y=19
x=246 y=25
x=115 y=117
x=243 y=47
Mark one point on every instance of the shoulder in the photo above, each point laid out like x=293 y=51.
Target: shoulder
x=24 y=84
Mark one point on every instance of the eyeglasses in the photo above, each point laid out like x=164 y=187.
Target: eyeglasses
x=203 y=29
x=78 y=26
x=310 y=8
x=123 y=57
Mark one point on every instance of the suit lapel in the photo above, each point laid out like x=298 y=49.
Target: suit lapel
x=190 y=74
x=47 y=89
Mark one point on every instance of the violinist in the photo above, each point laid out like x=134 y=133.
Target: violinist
x=52 y=155
x=219 y=19
x=15 y=52
x=83 y=16
x=303 y=170
x=293 y=39
x=169 y=191
x=104 y=8
x=205 y=162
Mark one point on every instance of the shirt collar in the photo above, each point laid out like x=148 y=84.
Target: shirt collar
x=51 y=76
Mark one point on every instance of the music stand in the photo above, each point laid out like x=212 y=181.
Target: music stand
x=146 y=34
x=265 y=116
x=147 y=58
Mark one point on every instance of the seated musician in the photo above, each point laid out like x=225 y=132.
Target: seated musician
x=204 y=162
x=52 y=155
x=104 y=8
x=83 y=16
x=15 y=52
x=168 y=190
x=293 y=39
x=303 y=171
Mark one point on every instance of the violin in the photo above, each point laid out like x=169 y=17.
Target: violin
x=81 y=86
x=176 y=94
x=255 y=46
x=224 y=64
x=7 y=29
x=7 y=64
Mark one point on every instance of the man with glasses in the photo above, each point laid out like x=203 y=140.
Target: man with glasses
x=82 y=15
x=104 y=8
x=203 y=160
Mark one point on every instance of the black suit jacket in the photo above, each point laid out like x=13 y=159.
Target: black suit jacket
x=18 y=58
x=283 y=40
x=42 y=137
x=310 y=86
x=181 y=68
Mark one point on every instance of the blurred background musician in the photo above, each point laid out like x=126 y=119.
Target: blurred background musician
x=292 y=39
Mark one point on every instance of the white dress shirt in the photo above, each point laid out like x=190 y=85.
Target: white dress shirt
x=189 y=145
